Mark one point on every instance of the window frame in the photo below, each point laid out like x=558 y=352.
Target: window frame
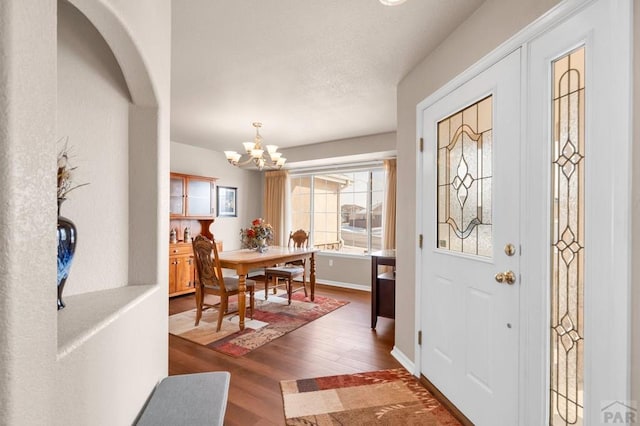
x=370 y=168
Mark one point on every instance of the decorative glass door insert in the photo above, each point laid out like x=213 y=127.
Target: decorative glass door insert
x=464 y=180
x=567 y=239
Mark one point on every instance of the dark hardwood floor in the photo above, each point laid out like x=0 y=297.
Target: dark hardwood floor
x=341 y=342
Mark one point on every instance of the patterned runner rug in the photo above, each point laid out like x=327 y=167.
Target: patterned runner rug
x=386 y=397
x=273 y=318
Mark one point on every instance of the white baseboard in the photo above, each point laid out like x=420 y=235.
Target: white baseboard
x=344 y=285
x=402 y=359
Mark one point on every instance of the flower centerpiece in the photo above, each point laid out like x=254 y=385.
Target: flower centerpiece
x=257 y=236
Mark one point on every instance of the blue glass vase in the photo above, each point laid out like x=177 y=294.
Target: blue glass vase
x=67 y=239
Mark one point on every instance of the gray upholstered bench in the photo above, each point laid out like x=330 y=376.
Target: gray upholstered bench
x=188 y=399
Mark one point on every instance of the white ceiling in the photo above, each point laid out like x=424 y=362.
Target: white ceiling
x=310 y=70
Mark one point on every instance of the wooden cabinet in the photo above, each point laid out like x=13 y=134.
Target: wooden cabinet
x=383 y=286
x=192 y=196
x=182 y=271
x=182 y=268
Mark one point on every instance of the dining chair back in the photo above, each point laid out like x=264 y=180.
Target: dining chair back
x=290 y=270
x=210 y=280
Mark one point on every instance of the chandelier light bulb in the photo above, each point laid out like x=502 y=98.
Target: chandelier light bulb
x=248 y=146
x=271 y=149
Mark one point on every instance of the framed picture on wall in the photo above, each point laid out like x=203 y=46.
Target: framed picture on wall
x=227 y=201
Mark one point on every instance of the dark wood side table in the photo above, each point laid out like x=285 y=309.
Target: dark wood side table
x=383 y=286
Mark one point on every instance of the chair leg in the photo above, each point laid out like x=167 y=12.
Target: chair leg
x=199 y=300
x=221 y=310
x=266 y=286
x=289 y=288
x=251 y=301
x=304 y=278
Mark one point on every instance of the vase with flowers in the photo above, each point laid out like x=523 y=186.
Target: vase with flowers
x=257 y=236
x=67 y=233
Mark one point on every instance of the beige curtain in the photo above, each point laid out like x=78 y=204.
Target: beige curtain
x=275 y=198
x=389 y=237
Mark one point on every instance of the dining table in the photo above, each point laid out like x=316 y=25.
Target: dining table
x=244 y=260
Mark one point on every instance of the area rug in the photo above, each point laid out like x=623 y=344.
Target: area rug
x=386 y=397
x=273 y=318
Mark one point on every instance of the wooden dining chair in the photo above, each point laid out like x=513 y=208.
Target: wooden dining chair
x=300 y=239
x=290 y=270
x=211 y=281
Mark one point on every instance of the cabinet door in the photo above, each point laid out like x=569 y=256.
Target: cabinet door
x=184 y=276
x=177 y=196
x=172 y=274
x=200 y=197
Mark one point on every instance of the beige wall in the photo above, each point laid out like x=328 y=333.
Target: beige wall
x=93 y=115
x=27 y=210
x=493 y=23
x=111 y=359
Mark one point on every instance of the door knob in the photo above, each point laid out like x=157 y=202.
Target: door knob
x=506 y=277
x=509 y=249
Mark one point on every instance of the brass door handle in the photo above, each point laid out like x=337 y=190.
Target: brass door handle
x=506 y=277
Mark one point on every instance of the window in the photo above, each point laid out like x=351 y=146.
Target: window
x=464 y=180
x=568 y=240
x=342 y=209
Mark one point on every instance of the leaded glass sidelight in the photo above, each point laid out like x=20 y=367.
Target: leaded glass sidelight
x=464 y=180
x=567 y=239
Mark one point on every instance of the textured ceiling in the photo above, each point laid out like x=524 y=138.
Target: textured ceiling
x=310 y=70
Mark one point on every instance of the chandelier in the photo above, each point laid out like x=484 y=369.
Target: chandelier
x=256 y=154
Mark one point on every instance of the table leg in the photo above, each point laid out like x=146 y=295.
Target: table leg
x=312 y=277
x=242 y=287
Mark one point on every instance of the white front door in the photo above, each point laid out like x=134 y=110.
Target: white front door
x=470 y=180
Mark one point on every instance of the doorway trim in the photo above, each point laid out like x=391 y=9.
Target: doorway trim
x=531 y=403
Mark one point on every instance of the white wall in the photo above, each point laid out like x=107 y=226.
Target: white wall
x=104 y=373
x=492 y=23
x=635 y=259
x=93 y=115
x=344 y=270
x=204 y=162
x=363 y=148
